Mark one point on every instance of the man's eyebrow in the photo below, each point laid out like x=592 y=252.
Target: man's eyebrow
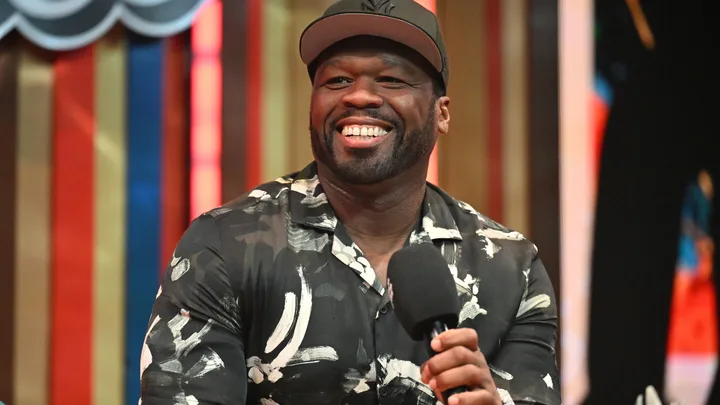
x=393 y=61
x=390 y=61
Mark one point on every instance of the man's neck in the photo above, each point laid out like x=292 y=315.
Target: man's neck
x=385 y=211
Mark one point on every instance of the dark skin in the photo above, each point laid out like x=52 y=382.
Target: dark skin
x=377 y=191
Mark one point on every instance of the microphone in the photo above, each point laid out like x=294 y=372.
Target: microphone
x=424 y=295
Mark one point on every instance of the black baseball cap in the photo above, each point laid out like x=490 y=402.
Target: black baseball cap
x=402 y=21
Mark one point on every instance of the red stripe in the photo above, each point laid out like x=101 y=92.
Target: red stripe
x=206 y=110
x=600 y=112
x=254 y=100
x=174 y=165
x=494 y=80
x=72 y=229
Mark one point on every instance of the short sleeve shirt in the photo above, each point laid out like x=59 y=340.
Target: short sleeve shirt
x=267 y=300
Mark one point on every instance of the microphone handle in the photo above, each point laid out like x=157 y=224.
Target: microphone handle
x=438 y=327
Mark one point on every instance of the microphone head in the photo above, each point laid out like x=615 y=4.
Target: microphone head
x=422 y=289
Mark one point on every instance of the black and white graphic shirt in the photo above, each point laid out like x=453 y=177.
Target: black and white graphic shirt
x=268 y=301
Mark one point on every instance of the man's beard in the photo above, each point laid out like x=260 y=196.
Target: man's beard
x=407 y=150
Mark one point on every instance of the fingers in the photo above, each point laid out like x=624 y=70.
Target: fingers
x=451 y=358
x=478 y=397
x=468 y=375
x=456 y=337
x=459 y=363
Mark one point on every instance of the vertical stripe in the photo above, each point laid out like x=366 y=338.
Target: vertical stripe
x=495 y=79
x=144 y=135
x=299 y=85
x=275 y=105
x=205 y=110
x=174 y=157
x=577 y=188
x=514 y=115
x=432 y=174
x=463 y=162
x=543 y=136
x=8 y=138
x=234 y=26
x=109 y=284
x=32 y=263
x=253 y=100
x=73 y=244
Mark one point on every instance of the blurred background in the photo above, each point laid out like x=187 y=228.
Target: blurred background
x=587 y=126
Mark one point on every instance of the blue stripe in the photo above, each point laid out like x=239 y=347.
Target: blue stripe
x=144 y=97
x=603 y=89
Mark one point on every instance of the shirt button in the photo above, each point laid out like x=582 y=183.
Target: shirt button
x=384 y=390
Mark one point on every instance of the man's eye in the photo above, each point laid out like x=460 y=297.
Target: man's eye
x=338 y=81
x=392 y=80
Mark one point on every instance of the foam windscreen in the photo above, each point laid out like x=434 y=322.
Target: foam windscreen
x=422 y=289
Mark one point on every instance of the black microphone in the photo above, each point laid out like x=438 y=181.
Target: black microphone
x=424 y=296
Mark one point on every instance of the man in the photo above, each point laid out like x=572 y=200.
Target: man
x=279 y=297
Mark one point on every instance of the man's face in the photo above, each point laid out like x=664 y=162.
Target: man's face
x=373 y=114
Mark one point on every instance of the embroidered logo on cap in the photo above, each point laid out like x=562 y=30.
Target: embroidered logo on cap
x=378 y=6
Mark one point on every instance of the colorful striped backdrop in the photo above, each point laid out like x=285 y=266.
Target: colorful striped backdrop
x=94 y=151
x=107 y=152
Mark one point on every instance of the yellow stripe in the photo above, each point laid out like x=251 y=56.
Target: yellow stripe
x=275 y=128
x=297 y=138
x=32 y=282
x=109 y=305
x=514 y=114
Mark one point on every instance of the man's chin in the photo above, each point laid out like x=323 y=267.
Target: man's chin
x=360 y=173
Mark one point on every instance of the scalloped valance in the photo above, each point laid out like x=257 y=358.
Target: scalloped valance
x=70 y=24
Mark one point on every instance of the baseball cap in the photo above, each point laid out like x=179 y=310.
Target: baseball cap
x=402 y=21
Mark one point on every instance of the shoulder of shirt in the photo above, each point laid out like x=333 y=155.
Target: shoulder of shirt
x=274 y=192
x=471 y=221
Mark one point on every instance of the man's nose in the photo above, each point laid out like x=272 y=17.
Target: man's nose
x=362 y=94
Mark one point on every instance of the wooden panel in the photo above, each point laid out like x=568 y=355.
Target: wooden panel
x=275 y=127
x=254 y=96
x=515 y=165
x=544 y=136
x=492 y=36
x=8 y=181
x=462 y=160
x=175 y=176
x=303 y=12
x=33 y=221
x=109 y=220
x=234 y=87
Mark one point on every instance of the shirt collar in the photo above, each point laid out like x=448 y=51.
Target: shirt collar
x=309 y=207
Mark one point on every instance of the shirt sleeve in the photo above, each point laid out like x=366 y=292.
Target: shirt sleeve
x=193 y=351
x=525 y=367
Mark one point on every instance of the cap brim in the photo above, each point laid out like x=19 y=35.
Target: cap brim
x=328 y=30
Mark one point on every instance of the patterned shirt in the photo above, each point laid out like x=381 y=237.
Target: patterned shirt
x=267 y=300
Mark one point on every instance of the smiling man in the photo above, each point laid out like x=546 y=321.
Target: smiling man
x=280 y=297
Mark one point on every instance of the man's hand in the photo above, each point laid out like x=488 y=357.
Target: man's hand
x=459 y=362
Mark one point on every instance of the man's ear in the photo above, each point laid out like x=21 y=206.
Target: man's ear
x=442 y=109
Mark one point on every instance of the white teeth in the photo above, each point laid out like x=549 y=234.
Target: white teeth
x=363 y=130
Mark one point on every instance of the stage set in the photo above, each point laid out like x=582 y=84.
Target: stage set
x=123 y=120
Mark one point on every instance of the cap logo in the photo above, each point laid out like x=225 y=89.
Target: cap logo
x=378 y=6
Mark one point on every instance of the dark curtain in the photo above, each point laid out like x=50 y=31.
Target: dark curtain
x=661 y=131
